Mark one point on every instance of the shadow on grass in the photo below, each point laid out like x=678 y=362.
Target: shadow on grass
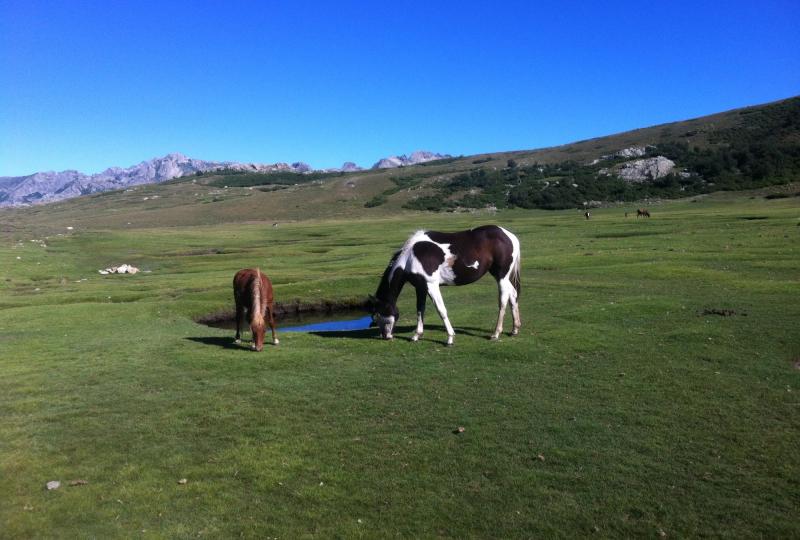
x=224 y=342
x=403 y=333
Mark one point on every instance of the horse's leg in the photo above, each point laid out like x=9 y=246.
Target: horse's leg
x=421 y=298
x=271 y=320
x=239 y=319
x=436 y=296
x=514 y=298
x=504 y=292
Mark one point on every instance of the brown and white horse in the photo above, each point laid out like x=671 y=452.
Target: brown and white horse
x=252 y=292
x=430 y=259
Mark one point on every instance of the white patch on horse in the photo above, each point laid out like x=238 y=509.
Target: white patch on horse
x=407 y=261
x=402 y=260
x=473 y=265
x=446 y=276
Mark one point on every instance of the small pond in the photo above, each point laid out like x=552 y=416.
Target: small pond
x=338 y=321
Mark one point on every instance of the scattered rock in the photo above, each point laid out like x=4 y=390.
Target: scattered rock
x=182 y=481
x=78 y=483
x=53 y=484
x=459 y=429
x=121 y=269
x=540 y=457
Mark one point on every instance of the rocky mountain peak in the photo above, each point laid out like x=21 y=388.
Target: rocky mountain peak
x=418 y=156
x=44 y=187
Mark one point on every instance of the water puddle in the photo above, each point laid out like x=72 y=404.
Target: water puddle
x=331 y=326
x=341 y=320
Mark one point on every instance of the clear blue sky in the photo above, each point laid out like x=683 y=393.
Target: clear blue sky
x=86 y=85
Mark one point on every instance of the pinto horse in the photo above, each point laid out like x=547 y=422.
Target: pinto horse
x=252 y=292
x=430 y=259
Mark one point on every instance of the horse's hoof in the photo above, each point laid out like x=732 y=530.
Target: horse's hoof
x=494 y=337
x=449 y=342
x=515 y=332
x=237 y=340
x=276 y=342
x=415 y=337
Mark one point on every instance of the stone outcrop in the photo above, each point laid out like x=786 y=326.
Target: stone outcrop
x=646 y=170
x=632 y=152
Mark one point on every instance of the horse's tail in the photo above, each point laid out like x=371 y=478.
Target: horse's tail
x=257 y=314
x=516 y=262
x=516 y=266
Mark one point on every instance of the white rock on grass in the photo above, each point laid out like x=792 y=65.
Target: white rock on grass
x=122 y=269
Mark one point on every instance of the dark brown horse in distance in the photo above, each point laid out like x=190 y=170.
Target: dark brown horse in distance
x=642 y=212
x=252 y=291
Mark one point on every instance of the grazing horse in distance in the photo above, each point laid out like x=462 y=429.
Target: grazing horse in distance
x=430 y=259
x=642 y=212
x=252 y=292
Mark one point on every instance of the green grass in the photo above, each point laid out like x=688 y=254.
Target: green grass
x=649 y=415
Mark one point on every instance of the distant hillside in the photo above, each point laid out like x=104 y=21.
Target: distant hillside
x=739 y=149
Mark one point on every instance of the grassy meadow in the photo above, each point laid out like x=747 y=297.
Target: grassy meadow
x=654 y=388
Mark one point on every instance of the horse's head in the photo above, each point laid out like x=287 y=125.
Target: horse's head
x=258 y=335
x=384 y=315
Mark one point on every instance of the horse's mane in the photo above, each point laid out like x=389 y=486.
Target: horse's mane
x=257 y=313
x=384 y=284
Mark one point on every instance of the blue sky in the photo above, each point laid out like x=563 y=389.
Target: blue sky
x=87 y=85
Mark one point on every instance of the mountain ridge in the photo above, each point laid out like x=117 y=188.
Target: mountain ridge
x=51 y=186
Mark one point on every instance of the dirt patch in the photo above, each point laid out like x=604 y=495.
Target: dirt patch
x=721 y=312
